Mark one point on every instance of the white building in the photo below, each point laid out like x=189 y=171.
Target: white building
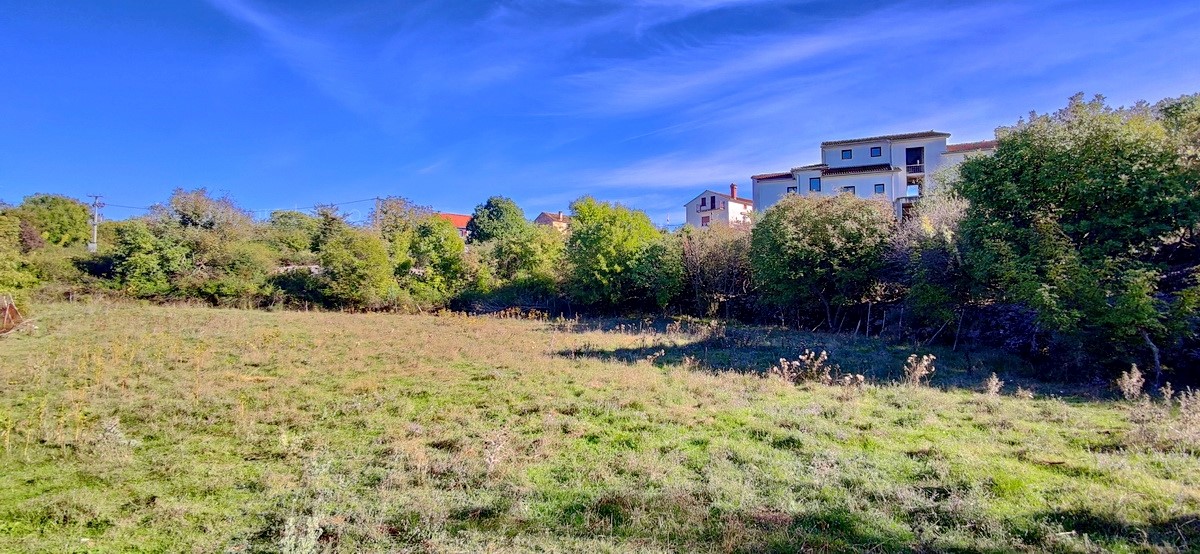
x=897 y=168
x=711 y=208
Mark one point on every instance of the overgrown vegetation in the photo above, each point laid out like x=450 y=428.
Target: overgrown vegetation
x=1074 y=245
x=149 y=428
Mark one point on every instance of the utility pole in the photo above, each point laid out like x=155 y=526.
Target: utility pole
x=96 y=205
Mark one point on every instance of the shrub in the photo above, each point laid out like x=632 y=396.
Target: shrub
x=820 y=254
x=437 y=260
x=1130 y=383
x=60 y=220
x=143 y=263
x=497 y=218
x=810 y=366
x=993 y=385
x=926 y=256
x=918 y=369
x=356 y=272
x=658 y=272
x=1066 y=217
x=292 y=235
x=605 y=245
x=716 y=264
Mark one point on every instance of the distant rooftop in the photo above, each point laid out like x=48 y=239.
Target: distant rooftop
x=901 y=136
x=971 y=146
x=766 y=176
x=555 y=217
x=873 y=168
x=458 y=220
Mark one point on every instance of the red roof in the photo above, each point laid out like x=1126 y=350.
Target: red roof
x=458 y=220
x=873 y=168
x=765 y=176
x=971 y=146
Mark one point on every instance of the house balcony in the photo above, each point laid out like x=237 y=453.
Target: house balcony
x=915 y=168
x=702 y=209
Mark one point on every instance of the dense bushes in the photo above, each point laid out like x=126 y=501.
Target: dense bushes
x=821 y=254
x=614 y=255
x=1071 y=217
x=1074 y=244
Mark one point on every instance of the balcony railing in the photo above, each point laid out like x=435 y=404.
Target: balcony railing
x=915 y=168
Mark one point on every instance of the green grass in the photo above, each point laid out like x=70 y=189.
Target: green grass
x=136 y=428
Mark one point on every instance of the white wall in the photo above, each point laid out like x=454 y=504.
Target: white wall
x=860 y=154
x=739 y=212
x=864 y=184
x=769 y=192
x=727 y=211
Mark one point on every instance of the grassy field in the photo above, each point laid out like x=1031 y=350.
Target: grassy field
x=141 y=428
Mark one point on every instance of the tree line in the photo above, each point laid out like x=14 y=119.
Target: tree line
x=1073 y=244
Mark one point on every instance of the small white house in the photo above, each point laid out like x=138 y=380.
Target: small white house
x=898 y=168
x=711 y=208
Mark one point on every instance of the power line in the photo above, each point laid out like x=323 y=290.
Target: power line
x=313 y=207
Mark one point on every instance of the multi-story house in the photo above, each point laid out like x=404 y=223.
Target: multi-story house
x=711 y=208
x=559 y=221
x=897 y=168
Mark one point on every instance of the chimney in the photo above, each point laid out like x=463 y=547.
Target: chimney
x=733 y=190
x=560 y=214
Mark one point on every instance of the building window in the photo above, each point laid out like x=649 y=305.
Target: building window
x=847 y=154
x=704 y=221
x=703 y=201
x=793 y=190
x=814 y=184
x=914 y=159
x=916 y=185
x=876 y=151
x=848 y=190
x=878 y=188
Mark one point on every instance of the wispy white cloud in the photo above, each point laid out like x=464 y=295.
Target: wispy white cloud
x=313 y=59
x=643 y=99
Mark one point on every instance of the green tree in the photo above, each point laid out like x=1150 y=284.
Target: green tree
x=657 y=271
x=396 y=219
x=530 y=251
x=1181 y=117
x=437 y=254
x=497 y=218
x=60 y=220
x=293 y=235
x=820 y=254
x=15 y=276
x=1109 y=179
x=606 y=242
x=356 y=271
x=1067 y=218
x=144 y=263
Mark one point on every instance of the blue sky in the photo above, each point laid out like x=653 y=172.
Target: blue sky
x=647 y=102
